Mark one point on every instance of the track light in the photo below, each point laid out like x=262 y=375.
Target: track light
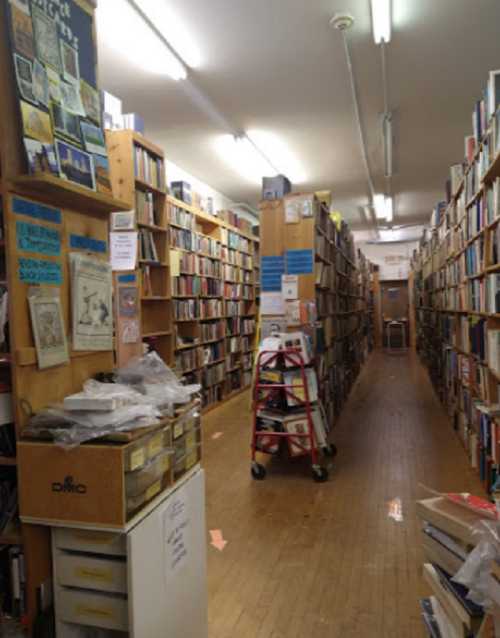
x=388 y=144
x=384 y=207
x=381 y=20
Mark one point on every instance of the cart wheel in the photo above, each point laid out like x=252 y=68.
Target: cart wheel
x=330 y=450
x=320 y=474
x=258 y=472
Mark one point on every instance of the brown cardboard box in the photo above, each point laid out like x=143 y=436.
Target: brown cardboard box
x=85 y=485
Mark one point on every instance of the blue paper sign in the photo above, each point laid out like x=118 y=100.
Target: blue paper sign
x=272 y=269
x=127 y=279
x=299 y=262
x=36 y=211
x=32 y=238
x=80 y=242
x=39 y=271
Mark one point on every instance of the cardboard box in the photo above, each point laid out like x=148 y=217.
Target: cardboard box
x=275 y=187
x=85 y=485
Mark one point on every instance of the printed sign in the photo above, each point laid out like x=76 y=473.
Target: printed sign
x=39 y=271
x=32 y=238
x=79 y=242
x=36 y=211
x=299 y=262
x=272 y=269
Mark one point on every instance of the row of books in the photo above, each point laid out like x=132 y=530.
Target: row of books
x=147 y=208
x=194 y=285
x=235 y=220
x=212 y=375
x=236 y=258
x=235 y=241
x=191 y=264
x=212 y=331
x=474 y=257
x=181 y=217
x=148 y=250
x=238 y=291
x=149 y=168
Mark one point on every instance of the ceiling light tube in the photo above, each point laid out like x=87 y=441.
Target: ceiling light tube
x=381 y=20
x=379 y=206
x=387 y=134
x=128 y=33
x=389 y=209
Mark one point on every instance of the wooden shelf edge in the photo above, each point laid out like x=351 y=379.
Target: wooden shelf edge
x=59 y=192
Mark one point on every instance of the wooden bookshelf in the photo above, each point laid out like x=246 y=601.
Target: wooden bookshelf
x=455 y=272
x=335 y=291
x=214 y=301
x=138 y=177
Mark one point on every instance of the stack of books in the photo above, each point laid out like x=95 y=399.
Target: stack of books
x=447 y=540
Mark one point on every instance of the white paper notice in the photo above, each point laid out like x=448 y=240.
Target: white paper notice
x=290 y=286
x=123 y=247
x=175 y=532
x=292 y=212
x=271 y=303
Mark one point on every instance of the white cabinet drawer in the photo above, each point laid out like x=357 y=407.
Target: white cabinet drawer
x=80 y=540
x=107 y=611
x=91 y=572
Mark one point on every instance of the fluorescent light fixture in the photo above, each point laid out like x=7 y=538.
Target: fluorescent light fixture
x=379 y=206
x=125 y=31
x=381 y=20
x=389 y=209
x=388 y=140
x=280 y=154
x=243 y=157
x=173 y=30
x=384 y=207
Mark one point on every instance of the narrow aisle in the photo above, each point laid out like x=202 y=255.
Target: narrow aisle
x=305 y=559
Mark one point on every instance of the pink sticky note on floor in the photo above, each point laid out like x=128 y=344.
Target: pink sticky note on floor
x=217 y=540
x=217 y=435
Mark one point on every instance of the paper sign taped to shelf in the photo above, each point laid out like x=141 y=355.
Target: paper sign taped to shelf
x=127 y=279
x=271 y=303
x=175 y=263
x=124 y=220
x=123 y=247
x=33 y=238
x=290 y=286
x=292 y=212
x=39 y=271
x=272 y=267
x=36 y=211
x=176 y=523
x=299 y=262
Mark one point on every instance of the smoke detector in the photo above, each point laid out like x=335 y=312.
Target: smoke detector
x=342 y=21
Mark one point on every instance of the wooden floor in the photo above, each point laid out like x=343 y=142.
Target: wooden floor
x=310 y=560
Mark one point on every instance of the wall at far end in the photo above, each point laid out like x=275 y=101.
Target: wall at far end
x=393 y=259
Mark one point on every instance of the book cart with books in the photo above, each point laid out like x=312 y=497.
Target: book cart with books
x=310 y=282
x=456 y=281
x=214 y=299
x=138 y=177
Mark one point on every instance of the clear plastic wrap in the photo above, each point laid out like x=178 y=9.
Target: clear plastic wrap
x=151 y=377
x=70 y=429
x=475 y=574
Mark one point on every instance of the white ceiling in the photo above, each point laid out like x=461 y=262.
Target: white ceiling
x=276 y=65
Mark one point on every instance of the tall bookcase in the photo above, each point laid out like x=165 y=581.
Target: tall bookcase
x=298 y=237
x=138 y=177
x=456 y=277
x=214 y=301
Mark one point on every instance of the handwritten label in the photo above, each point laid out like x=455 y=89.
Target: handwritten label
x=37 y=211
x=80 y=242
x=176 y=523
x=38 y=239
x=39 y=271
